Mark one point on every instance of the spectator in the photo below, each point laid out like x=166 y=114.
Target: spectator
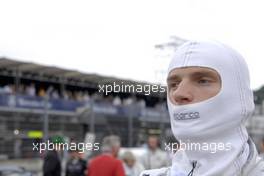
x=107 y=164
x=78 y=95
x=76 y=166
x=86 y=97
x=49 y=91
x=65 y=95
x=7 y=89
x=117 y=101
x=31 y=90
x=22 y=89
x=97 y=97
x=42 y=92
x=129 y=101
x=70 y=95
x=52 y=162
x=154 y=157
x=108 y=100
x=141 y=103
x=131 y=166
x=55 y=94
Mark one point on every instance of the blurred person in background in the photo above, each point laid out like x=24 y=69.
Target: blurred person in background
x=131 y=166
x=129 y=101
x=7 y=89
x=141 y=103
x=209 y=100
x=65 y=95
x=171 y=141
x=117 y=101
x=262 y=148
x=55 y=94
x=52 y=161
x=21 y=89
x=41 y=92
x=86 y=97
x=107 y=164
x=31 y=90
x=154 y=157
x=76 y=166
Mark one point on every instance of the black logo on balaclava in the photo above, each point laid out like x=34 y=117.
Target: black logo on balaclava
x=186 y=116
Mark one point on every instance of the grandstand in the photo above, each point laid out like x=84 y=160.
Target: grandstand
x=30 y=92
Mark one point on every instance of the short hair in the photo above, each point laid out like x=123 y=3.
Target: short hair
x=153 y=136
x=128 y=155
x=110 y=142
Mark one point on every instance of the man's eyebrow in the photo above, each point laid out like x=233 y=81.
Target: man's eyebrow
x=204 y=73
x=172 y=77
x=194 y=74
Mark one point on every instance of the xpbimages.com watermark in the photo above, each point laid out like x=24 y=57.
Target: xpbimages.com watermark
x=211 y=147
x=147 y=89
x=80 y=147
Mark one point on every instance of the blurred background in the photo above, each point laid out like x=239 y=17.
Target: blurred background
x=53 y=56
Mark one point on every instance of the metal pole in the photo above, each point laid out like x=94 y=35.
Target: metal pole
x=17 y=81
x=91 y=124
x=132 y=108
x=46 y=119
x=18 y=140
x=62 y=85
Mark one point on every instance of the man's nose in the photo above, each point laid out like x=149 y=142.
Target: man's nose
x=183 y=94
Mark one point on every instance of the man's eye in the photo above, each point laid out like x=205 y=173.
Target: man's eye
x=204 y=81
x=174 y=84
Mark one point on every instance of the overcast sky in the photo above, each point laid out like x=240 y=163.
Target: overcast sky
x=117 y=38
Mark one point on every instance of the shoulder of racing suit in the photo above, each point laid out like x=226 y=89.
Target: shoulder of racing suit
x=156 y=172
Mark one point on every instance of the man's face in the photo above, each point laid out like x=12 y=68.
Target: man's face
x=153 y=143
x=130 y=162
x=189 y=85
x=74 y=155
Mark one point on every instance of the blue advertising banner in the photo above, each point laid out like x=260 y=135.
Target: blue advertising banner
x=28 y=102
x=39 y=103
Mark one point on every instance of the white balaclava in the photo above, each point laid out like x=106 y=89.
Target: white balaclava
x=219 y=120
